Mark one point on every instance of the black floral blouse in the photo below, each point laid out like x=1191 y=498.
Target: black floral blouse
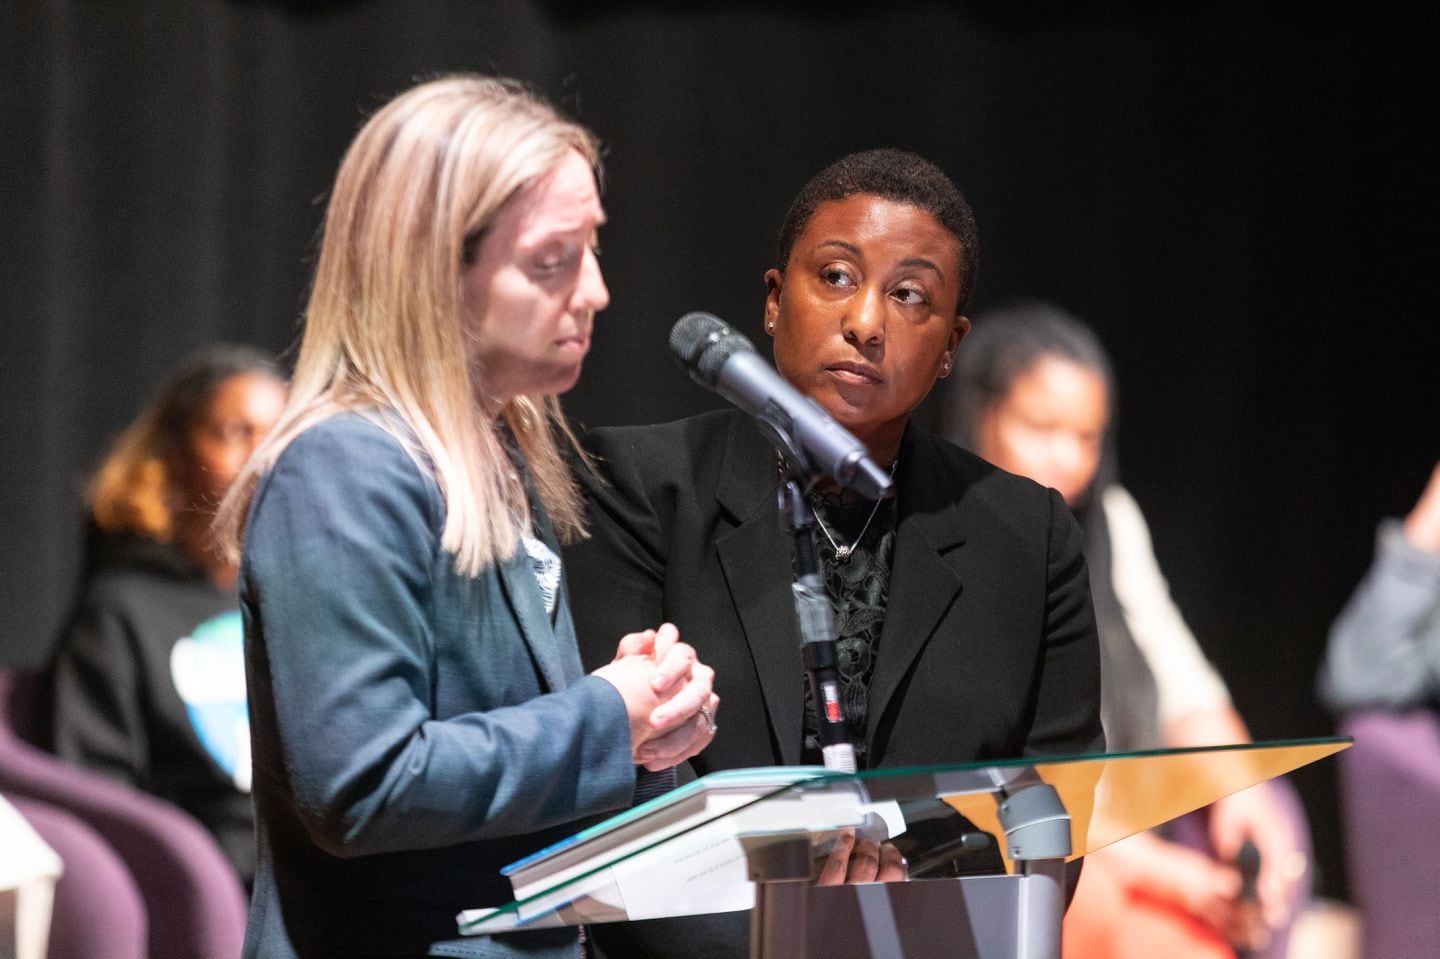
x=859 y=588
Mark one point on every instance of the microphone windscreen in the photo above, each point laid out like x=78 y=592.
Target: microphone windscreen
x=690 y=332
x=702 y=342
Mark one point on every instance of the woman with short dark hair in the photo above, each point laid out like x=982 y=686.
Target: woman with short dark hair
x=961 y=605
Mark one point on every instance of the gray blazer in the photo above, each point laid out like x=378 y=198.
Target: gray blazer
x=413 y=730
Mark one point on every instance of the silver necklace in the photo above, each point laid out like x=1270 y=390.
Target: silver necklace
x=842 y=551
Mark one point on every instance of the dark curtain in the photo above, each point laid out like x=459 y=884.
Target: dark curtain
x=1240 y=196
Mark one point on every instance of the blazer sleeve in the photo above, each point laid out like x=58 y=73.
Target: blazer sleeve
x=1067 y=719
x=1384 y=647
x=338 y=590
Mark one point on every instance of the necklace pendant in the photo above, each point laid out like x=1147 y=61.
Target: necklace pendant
x=842 y=553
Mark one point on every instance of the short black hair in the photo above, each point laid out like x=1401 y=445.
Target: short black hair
x=893 y=175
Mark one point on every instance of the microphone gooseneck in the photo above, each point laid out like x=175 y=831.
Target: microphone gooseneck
x=812 y=445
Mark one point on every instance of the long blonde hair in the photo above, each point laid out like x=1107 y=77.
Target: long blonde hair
x=423 y=179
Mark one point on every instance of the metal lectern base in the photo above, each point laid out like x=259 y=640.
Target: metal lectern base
x=973 y=917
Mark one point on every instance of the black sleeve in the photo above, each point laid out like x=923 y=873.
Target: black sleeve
x=617 y=575
x=1067 y=721
x=96 y=718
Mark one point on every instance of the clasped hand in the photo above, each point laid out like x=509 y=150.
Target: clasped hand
x=668 y=696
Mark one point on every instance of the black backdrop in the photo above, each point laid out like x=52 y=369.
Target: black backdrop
x=1240 y=196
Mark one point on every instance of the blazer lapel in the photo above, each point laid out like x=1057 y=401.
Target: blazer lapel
x=523 y=593
x=562 y=633
x=924 y=579
x=755 y=558
x=553 y=646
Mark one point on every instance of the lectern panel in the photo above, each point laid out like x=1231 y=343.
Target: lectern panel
x=685 y=853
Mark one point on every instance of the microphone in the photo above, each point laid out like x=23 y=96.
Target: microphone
x=720 y=359
x=813 y=444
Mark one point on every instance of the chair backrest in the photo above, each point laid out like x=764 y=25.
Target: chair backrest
x=195 y=901
x=1389 y=795
x=97 y=909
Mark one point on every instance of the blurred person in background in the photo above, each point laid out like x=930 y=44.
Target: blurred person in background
x=1384 y=648
x=1381 y=679
x=1034 y=394
x=147 y=684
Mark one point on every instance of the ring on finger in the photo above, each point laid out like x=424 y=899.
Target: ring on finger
x=705 y=714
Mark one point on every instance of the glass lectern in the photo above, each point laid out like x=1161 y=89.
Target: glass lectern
x=751 y=838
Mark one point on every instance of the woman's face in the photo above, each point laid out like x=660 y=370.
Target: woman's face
x=864 y=314
x=1050 y=426
x=240 y=413
x=531 y=296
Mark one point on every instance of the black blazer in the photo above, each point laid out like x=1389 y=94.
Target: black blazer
x=988 y=650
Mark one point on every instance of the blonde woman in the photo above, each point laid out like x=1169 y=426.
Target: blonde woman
x=420 y=716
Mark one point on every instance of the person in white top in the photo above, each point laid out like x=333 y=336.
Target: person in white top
x=1034 y=395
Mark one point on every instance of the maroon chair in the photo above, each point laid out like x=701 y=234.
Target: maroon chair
x=1390 y=808
x=98 y=910
x=194 y=901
